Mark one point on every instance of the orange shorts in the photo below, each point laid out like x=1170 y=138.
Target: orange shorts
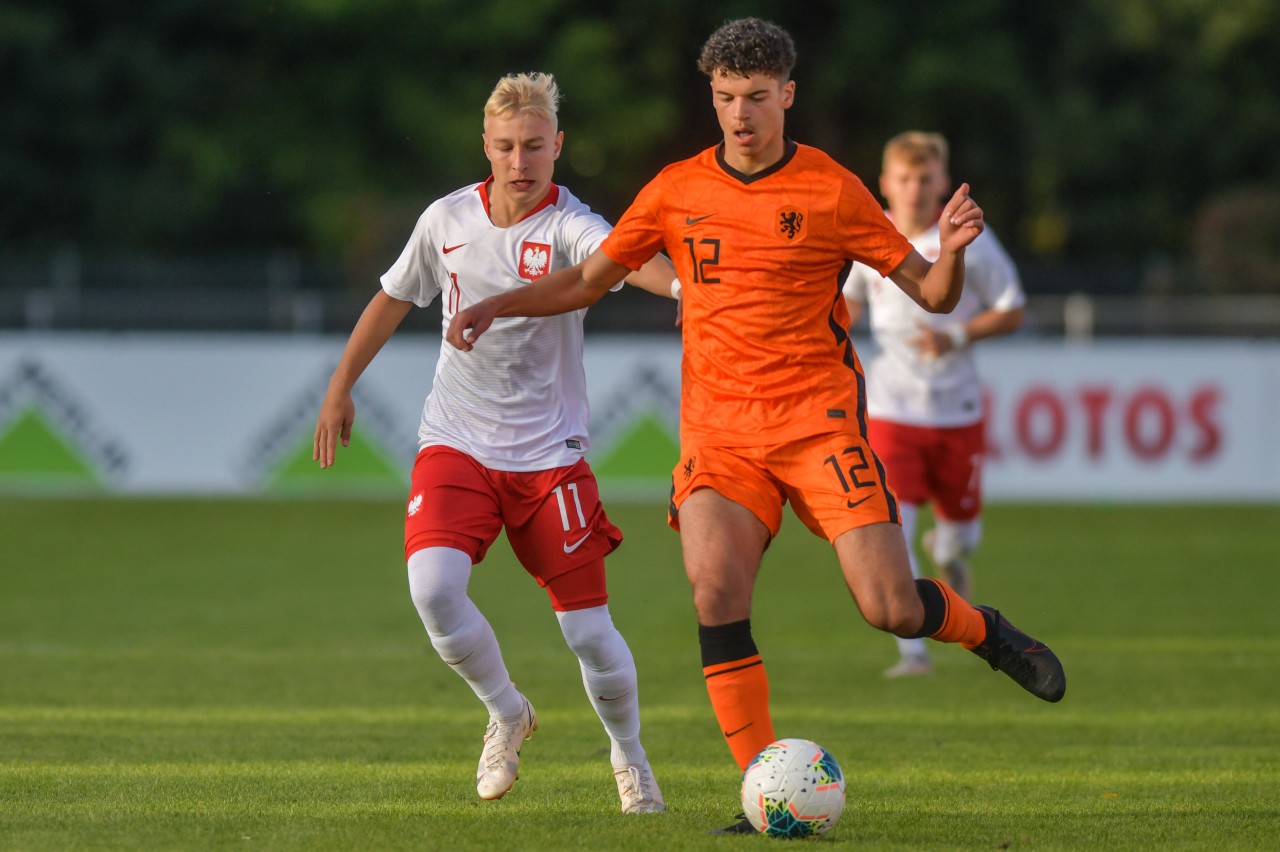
x=833 y=481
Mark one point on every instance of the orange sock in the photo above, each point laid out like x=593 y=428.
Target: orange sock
x=739 y=691
x=949 y=617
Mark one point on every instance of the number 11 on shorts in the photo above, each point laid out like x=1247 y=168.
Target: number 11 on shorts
x=564 y=510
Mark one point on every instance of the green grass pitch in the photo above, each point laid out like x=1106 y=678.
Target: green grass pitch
x=251 y=675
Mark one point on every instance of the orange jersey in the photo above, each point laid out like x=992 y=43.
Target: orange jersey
x=767 y=357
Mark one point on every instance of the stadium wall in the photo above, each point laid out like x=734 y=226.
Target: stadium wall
x=161 y=414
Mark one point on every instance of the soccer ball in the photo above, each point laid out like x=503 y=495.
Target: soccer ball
x=793 y=788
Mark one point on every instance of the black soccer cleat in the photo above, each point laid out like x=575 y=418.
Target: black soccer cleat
x=1030 y=663
x=742 y=826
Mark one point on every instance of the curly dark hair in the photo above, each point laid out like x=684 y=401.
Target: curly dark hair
x=748 y=46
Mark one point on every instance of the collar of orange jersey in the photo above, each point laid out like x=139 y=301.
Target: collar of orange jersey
x=552 y=196
x=789 y=148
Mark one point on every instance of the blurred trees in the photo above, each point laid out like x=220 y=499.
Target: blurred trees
x=1088 y=129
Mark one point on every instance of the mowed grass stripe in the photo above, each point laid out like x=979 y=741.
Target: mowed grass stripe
x=1261 y=718
x=1182 y=646
x=356 y=772
x=564 y=806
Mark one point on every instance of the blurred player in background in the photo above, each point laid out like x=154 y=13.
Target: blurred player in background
x=504 y=432
x=760 y=229
x=924 y=397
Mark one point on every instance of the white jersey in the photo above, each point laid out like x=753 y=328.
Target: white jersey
x=518 y=400
x=904 y=387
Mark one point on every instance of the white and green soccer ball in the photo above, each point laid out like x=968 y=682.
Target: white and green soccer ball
x=793 y=788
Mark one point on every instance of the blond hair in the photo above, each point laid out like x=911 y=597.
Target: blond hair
x=917 y=147
x=534 y=93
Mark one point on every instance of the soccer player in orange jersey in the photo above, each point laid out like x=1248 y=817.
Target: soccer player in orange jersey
x=761 y=230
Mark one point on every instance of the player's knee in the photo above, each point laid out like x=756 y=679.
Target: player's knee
x=438 y=587
x=899 y=617
x=720 y=603
x=595 y=641
x=721 y=592
x=585 y=629
x=955 y=540
x=899 y=624
x=436 y=606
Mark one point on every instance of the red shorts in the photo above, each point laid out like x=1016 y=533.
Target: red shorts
x=832 y=480
x=933 y=463
x=554 y=520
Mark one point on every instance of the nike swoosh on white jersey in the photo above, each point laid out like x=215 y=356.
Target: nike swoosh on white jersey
x=570 y=548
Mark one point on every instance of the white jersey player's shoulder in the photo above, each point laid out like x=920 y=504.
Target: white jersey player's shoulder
x=991 y=274
x=445 y=209
x=417 y=274
x=581 y=229
x=465 y=198
x=567 y=202
x=988 y=244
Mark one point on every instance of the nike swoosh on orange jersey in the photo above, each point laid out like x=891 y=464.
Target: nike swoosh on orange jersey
x=851 y=503
x=689 y=220
x=446 y=249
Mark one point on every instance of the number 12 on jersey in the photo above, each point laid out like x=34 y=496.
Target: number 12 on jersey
x=700 y=264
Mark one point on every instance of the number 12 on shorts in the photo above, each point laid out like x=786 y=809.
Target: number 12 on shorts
x=853 y=468
x=564 y=509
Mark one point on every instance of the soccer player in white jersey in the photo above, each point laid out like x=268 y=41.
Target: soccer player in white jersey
x=503 y=434
x=924 y=397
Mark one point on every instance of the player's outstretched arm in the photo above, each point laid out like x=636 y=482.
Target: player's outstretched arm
x=557 y=292
x=937 y=286
x=995 y=323
x=656 y=276
x=380 y=319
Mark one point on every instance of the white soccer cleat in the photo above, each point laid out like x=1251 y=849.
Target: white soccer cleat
x=500 y=761
x=910 y=666
x=638 y=789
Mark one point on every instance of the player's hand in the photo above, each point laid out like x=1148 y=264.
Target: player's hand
x=337 y=414
x=468 y=324
x=680 y=309
x=931 y=343
x=961 y=220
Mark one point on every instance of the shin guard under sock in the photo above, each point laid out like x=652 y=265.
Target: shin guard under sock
x=738 y=687
x=949 y=617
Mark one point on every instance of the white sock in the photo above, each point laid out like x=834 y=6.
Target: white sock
x=609 y=675
x=955 y=540
x=907 y=511
x=438 y=578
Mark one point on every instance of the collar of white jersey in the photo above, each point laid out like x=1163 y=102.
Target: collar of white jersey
x=937 y=217
x=548 y=200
